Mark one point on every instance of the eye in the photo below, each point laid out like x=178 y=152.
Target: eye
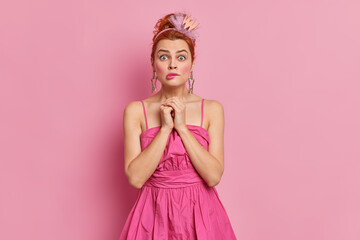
x=161 y=57
x=183 y=57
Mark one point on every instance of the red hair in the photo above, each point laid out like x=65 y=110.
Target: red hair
x=164 y=23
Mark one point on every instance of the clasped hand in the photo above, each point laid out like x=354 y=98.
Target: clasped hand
x=173 y=113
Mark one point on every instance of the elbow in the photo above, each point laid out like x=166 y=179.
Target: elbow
x=137 y=186
x=214 y=182
x=135 y=183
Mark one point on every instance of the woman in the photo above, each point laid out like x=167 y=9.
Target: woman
x=175 y=161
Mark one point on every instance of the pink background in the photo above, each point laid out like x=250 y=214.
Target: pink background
x=286 y=72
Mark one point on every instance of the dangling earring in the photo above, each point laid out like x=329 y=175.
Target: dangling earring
x=153 y=86
x=191 y=86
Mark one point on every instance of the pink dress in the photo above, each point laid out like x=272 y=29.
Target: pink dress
x=175 y=202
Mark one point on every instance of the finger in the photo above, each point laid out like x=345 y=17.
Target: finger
x=173 y=106
x=164 y=101
x=179 y=103
x=167 y=109
x=165 y=106
x=176 y=106
x=175 y=102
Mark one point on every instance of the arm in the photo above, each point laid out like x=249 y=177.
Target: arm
x=209 y=164
x=139 y=166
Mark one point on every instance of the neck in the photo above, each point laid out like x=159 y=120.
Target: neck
x=181 y=92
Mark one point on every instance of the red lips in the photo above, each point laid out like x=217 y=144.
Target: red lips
x=171 y=75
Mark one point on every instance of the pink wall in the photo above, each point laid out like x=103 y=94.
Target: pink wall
x=286 y=72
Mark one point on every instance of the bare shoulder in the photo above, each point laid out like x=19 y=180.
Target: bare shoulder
x=132 y=113
x=215 y=112
x=132 y=108
x=213 y=104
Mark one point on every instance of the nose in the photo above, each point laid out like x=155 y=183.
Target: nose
x=172 y=65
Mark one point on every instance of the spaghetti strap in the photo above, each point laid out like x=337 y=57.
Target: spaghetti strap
x=202 y=111
x=145 y=114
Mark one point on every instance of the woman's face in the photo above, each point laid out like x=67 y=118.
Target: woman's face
x=172 y=56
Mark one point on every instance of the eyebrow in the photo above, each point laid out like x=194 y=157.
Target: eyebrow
x=182 y=50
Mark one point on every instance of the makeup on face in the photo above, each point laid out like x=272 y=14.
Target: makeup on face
x=171 y=76
x=160 y=55
x=167 y=51
x=182 y=69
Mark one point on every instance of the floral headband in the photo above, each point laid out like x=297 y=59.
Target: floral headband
x=183 y=25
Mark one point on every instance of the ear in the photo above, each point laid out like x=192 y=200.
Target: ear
x=192 y=65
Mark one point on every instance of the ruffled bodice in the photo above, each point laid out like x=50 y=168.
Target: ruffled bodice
x=175 y=168
x=175 y=156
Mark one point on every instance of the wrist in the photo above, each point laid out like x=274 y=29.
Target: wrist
x=182 y=129
x=166 y=130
